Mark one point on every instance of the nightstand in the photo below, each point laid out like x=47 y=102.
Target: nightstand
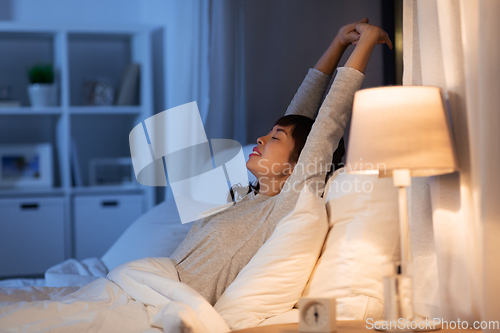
x=343 y=326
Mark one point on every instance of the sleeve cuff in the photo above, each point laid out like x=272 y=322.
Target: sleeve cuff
x=350 y=69
x=317 y=72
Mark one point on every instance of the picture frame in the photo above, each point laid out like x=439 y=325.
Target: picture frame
x=26 y=165
x=116 y=171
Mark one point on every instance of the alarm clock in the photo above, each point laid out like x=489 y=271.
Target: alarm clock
x=317 y=315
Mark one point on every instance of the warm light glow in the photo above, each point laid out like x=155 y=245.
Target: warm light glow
x=363 y=172
x=400 y=127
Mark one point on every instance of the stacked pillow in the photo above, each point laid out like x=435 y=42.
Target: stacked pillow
x=273 y=281
x=364 y=237
x=362 y=213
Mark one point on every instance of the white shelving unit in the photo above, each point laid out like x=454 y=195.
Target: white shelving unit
x=77 y=53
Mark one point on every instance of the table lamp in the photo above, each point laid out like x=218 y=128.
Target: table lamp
x=400 y=132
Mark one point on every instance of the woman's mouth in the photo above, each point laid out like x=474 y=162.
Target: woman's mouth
x=254 y=153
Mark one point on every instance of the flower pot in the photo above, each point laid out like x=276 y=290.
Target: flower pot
x=42 y=94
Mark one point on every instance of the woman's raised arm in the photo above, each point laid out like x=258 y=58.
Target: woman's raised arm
x=315 y=158
x=307 y=100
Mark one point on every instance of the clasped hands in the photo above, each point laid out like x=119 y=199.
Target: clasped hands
x=351 y=33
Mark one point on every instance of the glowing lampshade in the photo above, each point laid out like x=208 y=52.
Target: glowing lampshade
x=400 y=127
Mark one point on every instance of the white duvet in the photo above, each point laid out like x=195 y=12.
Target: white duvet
x=150 y=301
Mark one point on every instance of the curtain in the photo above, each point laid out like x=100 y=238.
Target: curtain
x=455 y=218
x=227 y=111
x=204 y=52
x=187 y=70
x=204 y=63
x=187 y=55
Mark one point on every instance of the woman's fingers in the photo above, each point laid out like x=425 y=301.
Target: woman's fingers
x=362 y=26
x=388 y=42
x=353 y=35
x=352 y=26
x=382 y=41
x=386 y=39
x=383 y=35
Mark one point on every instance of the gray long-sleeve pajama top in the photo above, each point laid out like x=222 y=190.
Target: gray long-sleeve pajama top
x=218 y=246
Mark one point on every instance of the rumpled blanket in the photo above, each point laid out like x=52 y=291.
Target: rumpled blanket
x=127 y=300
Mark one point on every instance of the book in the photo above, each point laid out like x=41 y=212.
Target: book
x=128 y=93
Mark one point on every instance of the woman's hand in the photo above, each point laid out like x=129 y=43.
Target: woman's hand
x=370 y=36
x=372 y=31
x=348 y=34
x=359 y=32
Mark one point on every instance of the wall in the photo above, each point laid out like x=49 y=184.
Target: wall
x=283 y=39
x=75 y=11
x=280 y=40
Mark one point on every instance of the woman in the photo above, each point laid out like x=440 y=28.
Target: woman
x=218 y=246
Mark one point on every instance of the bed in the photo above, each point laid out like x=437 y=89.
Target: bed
x=346 y=240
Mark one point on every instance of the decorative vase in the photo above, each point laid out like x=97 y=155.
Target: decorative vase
x=42 y=94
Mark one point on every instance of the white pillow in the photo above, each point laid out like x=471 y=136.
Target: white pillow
x=272 y=282
x=364 y=236
x=156 y=233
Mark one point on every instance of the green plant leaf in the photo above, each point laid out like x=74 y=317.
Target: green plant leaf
x=41 y=73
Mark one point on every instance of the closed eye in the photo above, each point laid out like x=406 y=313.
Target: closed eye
x=275 y=138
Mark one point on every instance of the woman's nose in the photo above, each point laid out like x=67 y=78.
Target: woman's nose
x=260 y=141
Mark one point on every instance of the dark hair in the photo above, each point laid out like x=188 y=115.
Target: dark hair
x=301 y=126
x=338 y=155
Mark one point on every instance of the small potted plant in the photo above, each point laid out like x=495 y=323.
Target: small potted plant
x=42 y=91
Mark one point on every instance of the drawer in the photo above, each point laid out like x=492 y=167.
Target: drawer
x=31 y=235
x=100 y=220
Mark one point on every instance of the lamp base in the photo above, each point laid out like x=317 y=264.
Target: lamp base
x=408 y=325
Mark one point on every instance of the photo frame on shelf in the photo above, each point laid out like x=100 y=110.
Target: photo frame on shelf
x=112 y=172
x=26 y=165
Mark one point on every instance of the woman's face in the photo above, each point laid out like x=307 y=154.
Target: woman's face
x=270 y=157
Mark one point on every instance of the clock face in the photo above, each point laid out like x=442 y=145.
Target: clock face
x=315 y=314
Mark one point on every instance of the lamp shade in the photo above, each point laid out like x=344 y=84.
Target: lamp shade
x=400 y=127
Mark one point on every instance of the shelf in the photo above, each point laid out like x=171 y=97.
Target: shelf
x=106 y=189
x=39 y=28
x=28 y=110
x=44 y=192
x=78 y=133
x=29 y=192
x=77 y=110
x=93 y=110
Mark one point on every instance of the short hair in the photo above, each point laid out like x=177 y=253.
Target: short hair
x=301 y=127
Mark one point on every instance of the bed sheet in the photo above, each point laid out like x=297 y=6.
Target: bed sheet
x=108 y=306
x=70 y=272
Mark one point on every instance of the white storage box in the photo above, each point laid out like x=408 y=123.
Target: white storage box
x=31 y=235
x=100 y=220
